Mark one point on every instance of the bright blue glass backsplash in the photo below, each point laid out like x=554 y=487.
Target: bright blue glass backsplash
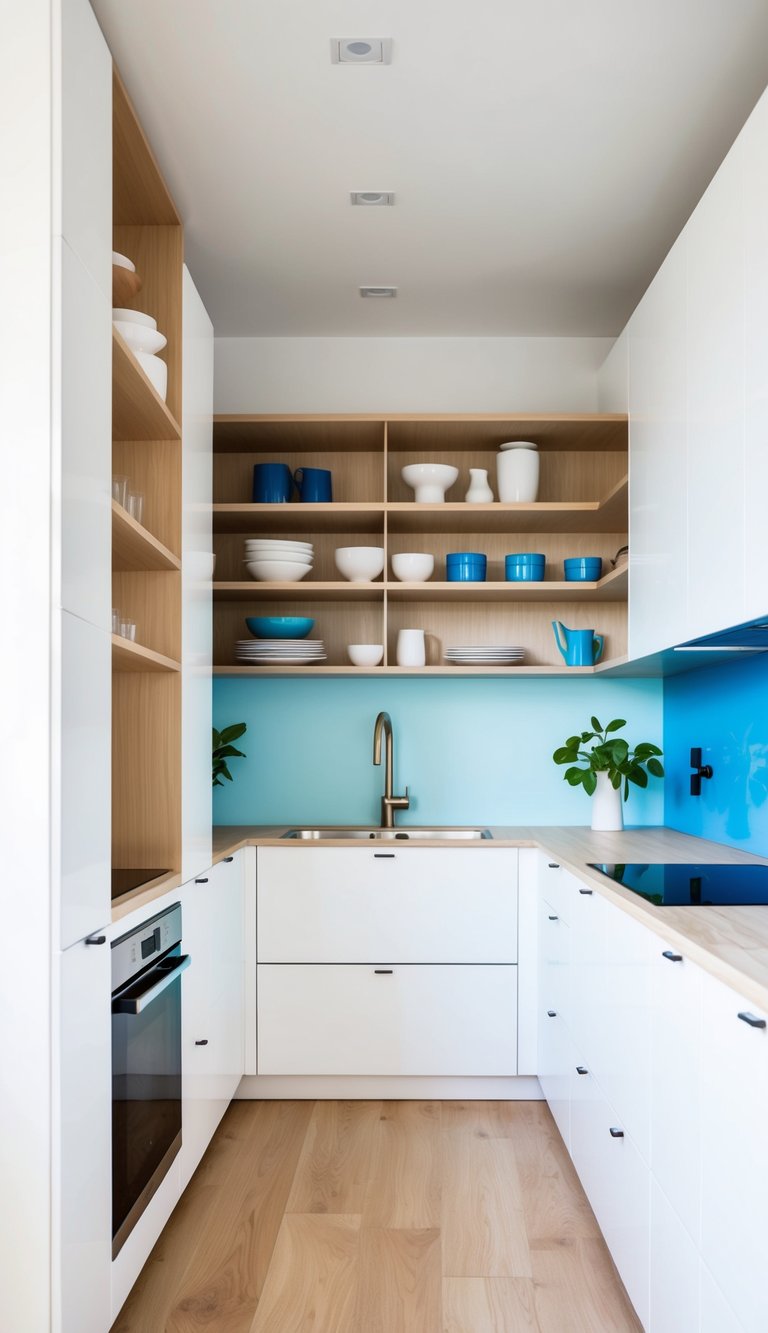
x=724 y=709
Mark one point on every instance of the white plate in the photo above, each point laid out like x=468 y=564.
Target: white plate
x=255 y=544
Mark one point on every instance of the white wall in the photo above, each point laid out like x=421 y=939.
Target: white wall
x=408 y=374
x=613 y=378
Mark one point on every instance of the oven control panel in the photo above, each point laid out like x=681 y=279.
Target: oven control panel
x=134 y=951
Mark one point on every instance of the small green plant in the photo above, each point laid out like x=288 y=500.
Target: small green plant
x=611 y=755
x=223 y=749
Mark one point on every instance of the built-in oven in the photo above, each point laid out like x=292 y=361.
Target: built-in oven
x=147 y=965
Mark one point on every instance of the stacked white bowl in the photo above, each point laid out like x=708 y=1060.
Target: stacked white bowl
x=269 y=560
x=142 y=336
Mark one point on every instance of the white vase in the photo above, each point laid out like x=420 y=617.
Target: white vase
x=607 y=812
x=479 y=492
x=517 y=473
x=411 y=648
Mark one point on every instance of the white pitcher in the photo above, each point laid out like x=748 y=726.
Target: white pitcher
x=411 y=648
x=517 y=472
x=479 y=492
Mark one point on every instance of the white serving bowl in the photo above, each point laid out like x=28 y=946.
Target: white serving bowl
x=123 y=261
x=413 y=566
x=140 y=338
x=365 y=654
x=134 y=317
x=430 y=481
x=155 y=370
x=359 y=564
x=277 y=571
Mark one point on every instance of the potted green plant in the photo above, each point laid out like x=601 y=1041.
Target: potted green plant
x=223 y=749
x=603 y=767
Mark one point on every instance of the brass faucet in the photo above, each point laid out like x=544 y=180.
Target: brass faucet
x=389 y=803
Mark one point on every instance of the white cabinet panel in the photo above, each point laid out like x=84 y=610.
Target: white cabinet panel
x=716 y=1314
x=674 y=1270
x=196 y=544
x=387 y=1019
x=83 y=156
x=676 y=1083
x=83 y=798
x=556 y=1062
x=84 y=1143
x=755 y=147
x=419 y=905
x=657 y=453
x=714 y=240
x=82 y=389
x=558 y=886
x=734 y=1152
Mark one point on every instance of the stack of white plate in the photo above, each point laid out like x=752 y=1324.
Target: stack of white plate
x=280 y=652
x=145 y=341
x=268 y=559
x=489 y=654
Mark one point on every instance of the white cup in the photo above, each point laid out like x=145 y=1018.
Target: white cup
x=411 y=648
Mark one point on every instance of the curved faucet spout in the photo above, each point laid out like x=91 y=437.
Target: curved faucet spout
x=389 y=802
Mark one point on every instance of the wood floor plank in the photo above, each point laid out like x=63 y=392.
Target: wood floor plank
x=555 y=1205
x=483 y=1223
x=577 y=1288
x=332 y=1173
x=311 y=1286
x=400 y=1282
x=490 y=1305
x=404 y=1188
x=486 y=1119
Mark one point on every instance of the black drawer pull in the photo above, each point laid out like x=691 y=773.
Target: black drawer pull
x=753 y=1022
x=382 y=971
x=616 y=1133
x=581 y=1070
x=201 y=881
x=673 y=957
x=553 y=865
x=553 y=918
x=204 y=1042
x=96 y=939
x=551 y=1013
x=383 y=856
x=586 y=891
x=229 y=858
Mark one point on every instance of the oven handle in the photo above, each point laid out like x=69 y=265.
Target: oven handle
x=162 y=976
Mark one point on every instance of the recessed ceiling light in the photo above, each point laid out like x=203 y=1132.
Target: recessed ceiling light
x=361 y=50
x=378 y=291
x=372 y=198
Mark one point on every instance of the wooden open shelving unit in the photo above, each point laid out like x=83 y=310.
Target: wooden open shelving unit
x=146 y=558
x=582 y=509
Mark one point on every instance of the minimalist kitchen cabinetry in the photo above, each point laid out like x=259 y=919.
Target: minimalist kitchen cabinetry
x=755 y=165
x=581 y=510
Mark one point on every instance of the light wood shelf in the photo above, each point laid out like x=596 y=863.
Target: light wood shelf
x=134 y=548
x=297 y=592
x=138 y=411
x=611 y=588
x=341 y=517
x=408 y=671
x=608 y=515
x=129 y=656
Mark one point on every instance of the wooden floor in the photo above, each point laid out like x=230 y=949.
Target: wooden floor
x=381 y=1217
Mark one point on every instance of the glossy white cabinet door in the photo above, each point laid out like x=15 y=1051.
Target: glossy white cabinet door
x=657 y=454
x=714 y=240
x=83 y=143
x=674 y=1270
x=196 y=621
x=82 y=779
x=555 y=1058
x=716 y=1314
x=82 y=408
x=83 y=1141
x=558 y=886
x=676 y=1083
x=412 y=905
x=387 y=1019
x=755 y=148
x=734 y=1151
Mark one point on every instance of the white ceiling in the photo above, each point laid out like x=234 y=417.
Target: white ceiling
x=544 y=153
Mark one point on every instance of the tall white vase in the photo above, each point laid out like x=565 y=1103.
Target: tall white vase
x=517 y=473
x=607 y=812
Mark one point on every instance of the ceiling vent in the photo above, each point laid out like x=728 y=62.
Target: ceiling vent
x=378 y=291
x=372 y=198
x=361 y=50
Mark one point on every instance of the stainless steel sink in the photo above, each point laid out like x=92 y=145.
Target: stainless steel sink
x=371 y=834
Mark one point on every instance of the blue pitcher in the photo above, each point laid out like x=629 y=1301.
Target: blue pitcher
x=580 y=647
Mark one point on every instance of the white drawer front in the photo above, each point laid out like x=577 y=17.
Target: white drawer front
x=674 y=1270
x=556 y=1060
x=418 y=905
x=387 y=1019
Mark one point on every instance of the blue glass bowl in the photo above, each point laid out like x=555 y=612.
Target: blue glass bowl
x=279 y=627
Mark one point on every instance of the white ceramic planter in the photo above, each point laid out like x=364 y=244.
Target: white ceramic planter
x=517 y=473
x=607 y=810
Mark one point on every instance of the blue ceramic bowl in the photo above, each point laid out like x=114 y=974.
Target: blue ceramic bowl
x=466 y=567
x=463 y=557
x=279 y=627
x=527 y=567
x=583 y=569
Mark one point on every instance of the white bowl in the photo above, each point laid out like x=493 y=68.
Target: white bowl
x=139 y=337
x=200 y=565
x=134 y=317
x=412 y=566
x=277 y=571
x=123 y=261
x=365 y=654
x=359 y=564
x=155 y=370
x=288 y=548
x=430 y=481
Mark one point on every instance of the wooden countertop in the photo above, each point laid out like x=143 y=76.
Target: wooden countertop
x=729 y=942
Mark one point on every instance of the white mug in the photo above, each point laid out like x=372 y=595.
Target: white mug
x=411 y=649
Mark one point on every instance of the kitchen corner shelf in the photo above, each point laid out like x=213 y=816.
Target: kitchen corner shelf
x=130 y=656
x=138 y=411
x=134 y=548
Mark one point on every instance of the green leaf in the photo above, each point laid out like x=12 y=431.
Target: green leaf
x=232 y=733
x=565 y=755
x=617 y=724
x=574 y=776
x=590 y=782
x=228 y=752
x=588 y=736
x=597 y=725
x=638 y=776
x=656 y=768
x=619 y=750
x=572 y=743
x=616 y=780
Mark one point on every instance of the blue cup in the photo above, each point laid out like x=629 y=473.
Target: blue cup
x=466 y=567
x=272 y=483
x=314 y=485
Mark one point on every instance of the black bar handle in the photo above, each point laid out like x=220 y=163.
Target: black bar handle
x=383 y=856
x=382 y=971
x=551 y=1013
x=553 y=918
x=581 y=1070
x=588 y=892
x=204 y=1042
x=96 y=939
x=553 y=865
x=672 y=957
x=752 y=1020
x=201 y=881
x=616 y=1133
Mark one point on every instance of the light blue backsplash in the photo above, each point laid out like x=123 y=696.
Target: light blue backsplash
x=472 y=750
x=724 y=709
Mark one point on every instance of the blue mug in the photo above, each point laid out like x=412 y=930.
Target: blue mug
x=313 y=485
x=272 y=483
x=580 y=647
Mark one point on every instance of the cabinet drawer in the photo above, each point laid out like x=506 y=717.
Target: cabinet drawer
x=557 y=886
x=556 y=1061
x=387 y=1019
x=414 y=905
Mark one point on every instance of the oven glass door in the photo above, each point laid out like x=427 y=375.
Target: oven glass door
x=146 y=1088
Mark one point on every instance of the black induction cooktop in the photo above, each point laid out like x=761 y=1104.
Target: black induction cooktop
x=692 y=885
